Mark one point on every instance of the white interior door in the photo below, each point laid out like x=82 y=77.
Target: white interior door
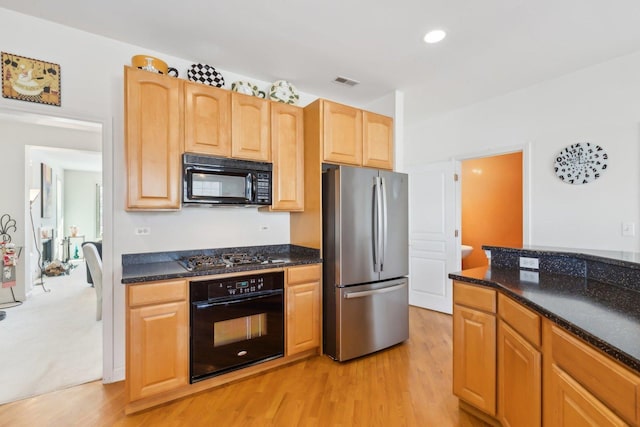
x=433 y=244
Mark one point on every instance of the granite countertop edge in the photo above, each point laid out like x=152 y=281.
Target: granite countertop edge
x=149 y=267
x=152 y=277
x=596 y=341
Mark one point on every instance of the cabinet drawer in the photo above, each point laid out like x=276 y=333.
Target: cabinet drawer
x=475 y=297
x=304 y=274
x=157 y=292
x=523 y=320
x=614 y=385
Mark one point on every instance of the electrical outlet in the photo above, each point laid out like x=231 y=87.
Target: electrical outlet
x=142 y=231
x=529 y=276
x=526 y=262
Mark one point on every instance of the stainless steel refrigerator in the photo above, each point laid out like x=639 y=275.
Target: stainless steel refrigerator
x=366 y=261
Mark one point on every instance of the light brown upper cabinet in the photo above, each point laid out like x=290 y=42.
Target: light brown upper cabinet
x=153 y=140
x=377 y=141
x=287 y=154
x=350 y=136
x=342 y=128
x=250 y=135
x=207 y=124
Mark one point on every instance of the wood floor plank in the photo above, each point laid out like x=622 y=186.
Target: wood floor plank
x=407 y=385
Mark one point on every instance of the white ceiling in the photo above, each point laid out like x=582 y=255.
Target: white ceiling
x=493 y=46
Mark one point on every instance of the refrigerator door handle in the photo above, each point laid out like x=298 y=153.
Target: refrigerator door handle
x=379 y=225
x=361 y=294
x=374 y=226
x=385 y=228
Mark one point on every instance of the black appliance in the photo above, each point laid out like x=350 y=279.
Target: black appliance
x=218 y=181
x=235 y=322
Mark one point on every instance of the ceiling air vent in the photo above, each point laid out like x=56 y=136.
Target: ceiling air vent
x=346 y=81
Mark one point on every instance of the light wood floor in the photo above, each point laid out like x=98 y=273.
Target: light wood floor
x=407 y=385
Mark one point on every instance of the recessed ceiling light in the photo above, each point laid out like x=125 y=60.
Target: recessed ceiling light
x=434 y=36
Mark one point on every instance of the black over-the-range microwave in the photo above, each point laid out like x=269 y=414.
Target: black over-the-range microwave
x=218 y=181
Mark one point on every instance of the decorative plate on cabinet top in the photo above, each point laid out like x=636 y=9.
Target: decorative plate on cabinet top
x=283 y=91
x=206 y=74
x=247 y=88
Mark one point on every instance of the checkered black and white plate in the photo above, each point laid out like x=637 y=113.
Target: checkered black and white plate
x=206 y=74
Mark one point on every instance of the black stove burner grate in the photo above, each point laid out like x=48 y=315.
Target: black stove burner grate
x=207 y=262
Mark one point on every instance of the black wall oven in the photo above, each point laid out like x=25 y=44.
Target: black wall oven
x=235 y=322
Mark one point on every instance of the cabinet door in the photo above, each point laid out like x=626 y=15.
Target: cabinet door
x=569 y=404
x=153 y=114
x=250 y=135
x=342 y=130
x=303 y=317
x=377 y=141
x=207 y=126
x=287 y=148
x=474 y=358
x=519 y=380
x=158 y=349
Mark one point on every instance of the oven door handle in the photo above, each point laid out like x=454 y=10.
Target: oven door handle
x=234 y=301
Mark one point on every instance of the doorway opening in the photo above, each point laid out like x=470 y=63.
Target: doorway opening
x=55 y=326
x=491 y=205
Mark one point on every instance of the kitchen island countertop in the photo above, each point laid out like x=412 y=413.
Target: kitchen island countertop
x=148 y=267
x=604 y=314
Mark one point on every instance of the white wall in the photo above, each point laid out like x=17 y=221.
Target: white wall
x=599 y=104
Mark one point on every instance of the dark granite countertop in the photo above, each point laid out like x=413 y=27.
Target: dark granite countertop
x=605 y=315
x=147 y=267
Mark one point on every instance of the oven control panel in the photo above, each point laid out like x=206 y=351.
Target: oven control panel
x=240 y=287
x=207 y=290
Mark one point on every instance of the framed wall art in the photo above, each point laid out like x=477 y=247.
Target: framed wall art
x=29 y=79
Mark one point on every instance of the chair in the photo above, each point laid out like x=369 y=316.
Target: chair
x=99 y=247
x=94 y=262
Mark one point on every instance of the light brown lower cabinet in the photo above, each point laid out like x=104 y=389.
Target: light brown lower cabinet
x=571 y=405
x=519 y=380
x=582 y=385
x=303 y=308
x=474 y=346
x=519 y=365
x=542 y=375
x=157 y=338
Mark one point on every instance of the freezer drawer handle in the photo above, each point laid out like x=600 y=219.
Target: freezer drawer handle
x=350 y=295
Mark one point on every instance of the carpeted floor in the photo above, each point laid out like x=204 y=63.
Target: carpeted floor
x=51 y=341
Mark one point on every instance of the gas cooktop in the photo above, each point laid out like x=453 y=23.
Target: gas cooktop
x=210 y=262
